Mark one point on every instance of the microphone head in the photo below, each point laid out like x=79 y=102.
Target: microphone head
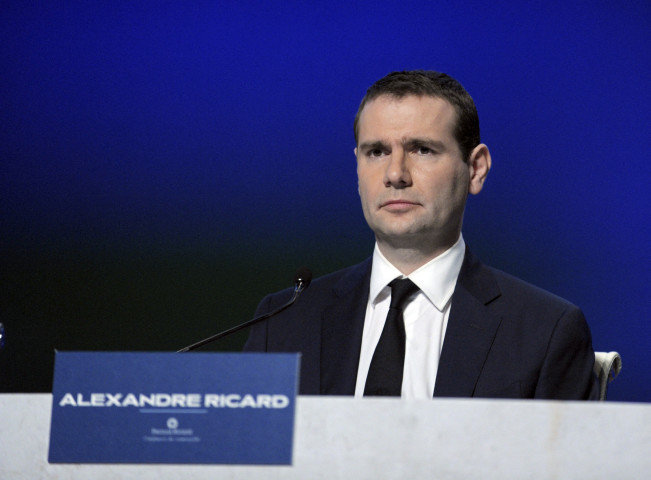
x=303 y=275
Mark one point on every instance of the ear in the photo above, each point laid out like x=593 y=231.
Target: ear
x=479 y=165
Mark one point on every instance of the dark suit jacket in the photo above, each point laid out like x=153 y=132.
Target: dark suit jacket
x=504 y=339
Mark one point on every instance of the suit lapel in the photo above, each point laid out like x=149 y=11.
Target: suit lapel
x=470 y=332
x=342 y=327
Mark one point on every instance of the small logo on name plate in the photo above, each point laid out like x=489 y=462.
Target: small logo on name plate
x=172 y=423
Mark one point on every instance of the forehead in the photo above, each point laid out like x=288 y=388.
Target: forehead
x=386 y=116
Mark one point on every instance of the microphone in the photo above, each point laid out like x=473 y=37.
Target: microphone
x=302 y=280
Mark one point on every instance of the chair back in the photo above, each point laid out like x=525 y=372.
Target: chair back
x=607 y=366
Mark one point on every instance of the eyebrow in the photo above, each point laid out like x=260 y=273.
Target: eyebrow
x=373 y=145
x=407 y=143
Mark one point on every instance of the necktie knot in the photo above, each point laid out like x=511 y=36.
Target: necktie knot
x=401 y=290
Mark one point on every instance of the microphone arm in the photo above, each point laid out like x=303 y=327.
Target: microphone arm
x=302 y=279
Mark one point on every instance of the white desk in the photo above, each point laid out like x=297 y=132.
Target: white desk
x=340 y=437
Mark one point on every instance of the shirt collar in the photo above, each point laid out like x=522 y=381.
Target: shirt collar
x=437 y=278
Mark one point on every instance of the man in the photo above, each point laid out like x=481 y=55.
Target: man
x=423 y=317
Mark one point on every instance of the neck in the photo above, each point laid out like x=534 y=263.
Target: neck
x=410 y=258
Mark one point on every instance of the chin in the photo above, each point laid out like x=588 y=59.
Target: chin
x=402 y=238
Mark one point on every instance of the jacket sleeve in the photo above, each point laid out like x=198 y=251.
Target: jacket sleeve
x=568 y=367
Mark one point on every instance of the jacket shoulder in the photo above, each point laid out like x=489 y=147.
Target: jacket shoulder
x=509 y=283
x=543 y=344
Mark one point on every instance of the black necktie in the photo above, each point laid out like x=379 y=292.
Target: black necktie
x=385 y=373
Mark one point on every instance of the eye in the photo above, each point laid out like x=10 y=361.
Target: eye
x=424 y=150
x=376 y=152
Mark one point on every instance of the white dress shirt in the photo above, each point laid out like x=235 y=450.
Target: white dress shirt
x=426 y=318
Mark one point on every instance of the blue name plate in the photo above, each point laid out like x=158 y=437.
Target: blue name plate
x=205 y=408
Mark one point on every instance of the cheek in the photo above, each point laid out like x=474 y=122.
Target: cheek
x=367 y=200
x=447 y=188
x=463 y=181
x=459 y=189
x=361 y=185
x=362 y=189
x=364 y=185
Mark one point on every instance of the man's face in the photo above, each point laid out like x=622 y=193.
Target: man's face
x=413 y=182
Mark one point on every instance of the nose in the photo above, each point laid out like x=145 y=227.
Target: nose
x=397 y=174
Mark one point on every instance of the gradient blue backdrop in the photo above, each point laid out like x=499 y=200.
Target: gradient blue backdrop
x=221 y=134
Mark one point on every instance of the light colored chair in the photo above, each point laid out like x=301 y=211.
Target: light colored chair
x=607 y=366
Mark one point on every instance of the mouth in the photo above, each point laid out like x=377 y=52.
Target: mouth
x=398 y=201
x=398 y=205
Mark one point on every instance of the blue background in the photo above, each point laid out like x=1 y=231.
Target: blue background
x=164 y=166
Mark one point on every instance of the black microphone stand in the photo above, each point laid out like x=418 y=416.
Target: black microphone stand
x=302 y=282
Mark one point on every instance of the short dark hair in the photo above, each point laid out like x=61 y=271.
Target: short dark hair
x=428 y=83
